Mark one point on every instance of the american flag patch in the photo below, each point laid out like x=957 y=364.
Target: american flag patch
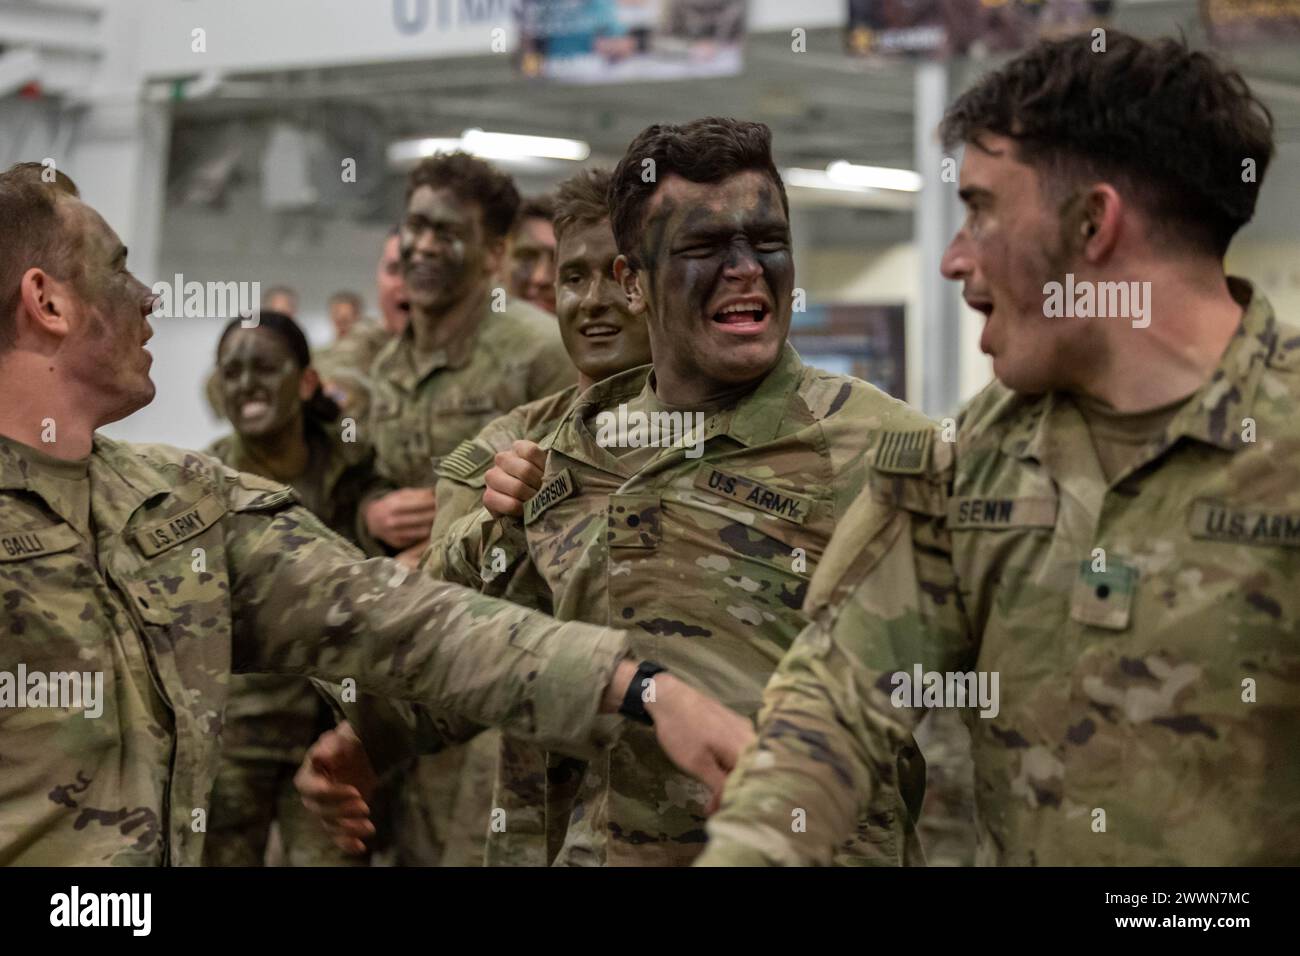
x=465 y=462
x=903 y=453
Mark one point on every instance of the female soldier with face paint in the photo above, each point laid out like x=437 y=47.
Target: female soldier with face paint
x=286 y=429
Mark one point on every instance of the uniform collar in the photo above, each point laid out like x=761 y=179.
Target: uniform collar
x=121 y=483
x=12 y=475
x=397 y=362
x=754 y=420
x=337 y=458
x=1214 y=412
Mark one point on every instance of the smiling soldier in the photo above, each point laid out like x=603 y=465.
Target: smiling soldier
x=468 y=355
x=602 y=338
x=164 y=570
x=705 y=559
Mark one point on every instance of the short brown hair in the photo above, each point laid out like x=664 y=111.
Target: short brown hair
x=468 y=176
x=534 y=207
x=37 y=235
x=582 y=200
x=1168 y=123
x=703 y=151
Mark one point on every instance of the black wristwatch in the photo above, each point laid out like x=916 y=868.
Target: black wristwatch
x=633 y=707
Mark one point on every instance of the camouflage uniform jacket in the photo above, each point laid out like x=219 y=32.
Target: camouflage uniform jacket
x=197 y=571
x=346 y=364
x=420 y=413
x=1145 y=634
x=270 y=717
x=706 y=561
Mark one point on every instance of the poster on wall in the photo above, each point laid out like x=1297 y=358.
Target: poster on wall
x=866 y=341
x=612 y=41
x=1250 y=22
x=944 y=28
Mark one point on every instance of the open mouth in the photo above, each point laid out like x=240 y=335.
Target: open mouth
x=742 y=317
x=599 y=330
x=253 y=408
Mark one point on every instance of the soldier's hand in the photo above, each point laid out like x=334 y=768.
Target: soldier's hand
x=516 y=477
x=412 y=555
x=403 y=517
x=335 y=781
x=698 y=734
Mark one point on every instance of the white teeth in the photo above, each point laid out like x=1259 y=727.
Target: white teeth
x=600 y=330
x=253 y=409
x=743 y=307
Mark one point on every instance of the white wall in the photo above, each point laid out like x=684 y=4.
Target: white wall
x=243 y=244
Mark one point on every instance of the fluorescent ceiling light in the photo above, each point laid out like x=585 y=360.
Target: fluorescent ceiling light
x=815 y=179
x=513 y=146
x=873 y=177
x=504 y=147
x=413 y=150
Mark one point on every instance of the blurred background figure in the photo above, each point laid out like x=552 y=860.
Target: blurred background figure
x=282 y=299
x=345 y=313
x=344 y=365
x=529 y=271
x=285 y=429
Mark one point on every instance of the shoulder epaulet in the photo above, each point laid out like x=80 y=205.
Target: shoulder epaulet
x=905 y=452
x=466 y=461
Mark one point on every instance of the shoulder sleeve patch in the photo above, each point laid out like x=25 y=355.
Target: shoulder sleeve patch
x=903 y=452
x=246 y=492
x=467 y=461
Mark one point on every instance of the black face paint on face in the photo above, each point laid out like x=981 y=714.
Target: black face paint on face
x=444 y=248
x=601 y=336
x=717 y=274
x=107 y=350
x=260 y=383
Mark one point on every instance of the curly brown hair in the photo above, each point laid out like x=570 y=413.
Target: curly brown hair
x=703 y=151
x=1165 y=124
x=470 y=177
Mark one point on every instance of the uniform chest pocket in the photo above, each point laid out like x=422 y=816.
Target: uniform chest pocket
x=184 y=562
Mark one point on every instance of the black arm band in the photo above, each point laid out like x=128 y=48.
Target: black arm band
x=633 y=707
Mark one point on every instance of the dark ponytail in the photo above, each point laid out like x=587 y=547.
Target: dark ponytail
x=319 y=407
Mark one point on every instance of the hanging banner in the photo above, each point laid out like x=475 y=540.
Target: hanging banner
x=945 y=28
x=613 y=41
x=1248 y=22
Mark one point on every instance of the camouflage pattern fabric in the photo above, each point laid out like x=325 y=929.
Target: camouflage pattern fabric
x=344 y=366
x=420 y=413
x=706 y=560
x=197 y=571
x=270 y=721
x=1143 y=630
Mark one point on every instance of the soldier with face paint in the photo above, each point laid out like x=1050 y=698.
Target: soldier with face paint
x=158 y=571
x=1113 y=533
x=286 y=430
x=703 y=550
x=603 y=338
x=529 y=269
x=344 y=366
x=469 y=354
